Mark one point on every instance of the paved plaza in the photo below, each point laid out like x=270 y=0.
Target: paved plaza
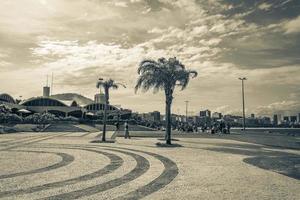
x=67 y=165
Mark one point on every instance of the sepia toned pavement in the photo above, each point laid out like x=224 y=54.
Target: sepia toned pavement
x=66 y=165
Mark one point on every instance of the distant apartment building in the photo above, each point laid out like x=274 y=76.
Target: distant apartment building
x=229 y=118
x=293 y=119
x=279 y=117
x=286 y=119
x=194 y=119
x=216 y=115
x=255 y=122
x=181 y=118
x=174 y=118
x=249 y=121
x=264 y=121
x=151 y=116
x=204 y=121
x=156 y=116
x=205 y=113
x=275 y=120
x=252 y=115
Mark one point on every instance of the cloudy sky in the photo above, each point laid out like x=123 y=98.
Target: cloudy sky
x=81 y=40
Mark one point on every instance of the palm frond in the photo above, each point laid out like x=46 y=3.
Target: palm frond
x=147 y=65
x=149 y=80
x=114 y=86
x=163 y=74
x=121 y=84
x=193 y=73
x=183 y=77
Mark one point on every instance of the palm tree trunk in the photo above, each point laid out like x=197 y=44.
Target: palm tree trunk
x=104 y=123
x=168 y=119
x=105 y=115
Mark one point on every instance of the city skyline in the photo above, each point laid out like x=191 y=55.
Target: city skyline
x=84 y=40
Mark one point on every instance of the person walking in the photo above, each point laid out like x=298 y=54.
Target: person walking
x=117 y=126
x=126 y=129
x=228 y=128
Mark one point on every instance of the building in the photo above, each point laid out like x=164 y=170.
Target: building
x=51 y=105
x=46 y=91
x=7 y=99
x=279 y=117
x=151 y=116
x=99 y=98
x=252 y=115
x=293 y=119
x=181 y=118
x=275 y=120
x=264 y=121
x=175 y=118
x=216 y=115
x=156 y=116
x=9 y=102
x=62 y=108
x=249 y=121
x=204 y=121
x=205 y=113
x=286 y=119
x=196 y=119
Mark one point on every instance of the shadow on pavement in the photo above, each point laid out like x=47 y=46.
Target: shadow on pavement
x=173 y=145
x=287 y=164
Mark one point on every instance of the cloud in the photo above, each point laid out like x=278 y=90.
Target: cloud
x=70 y=55
x=292 y=26
x=121 y=4
x=265 y=6
x=283 y=107
x=4 y=64
x=80 y=41
x=227 y=110
x=286 y=2
x=210 y=42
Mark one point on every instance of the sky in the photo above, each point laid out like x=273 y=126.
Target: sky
x=82 y=40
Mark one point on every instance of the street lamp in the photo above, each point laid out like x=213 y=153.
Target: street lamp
x=186 y=111
x=107 y=84
x=243 y=97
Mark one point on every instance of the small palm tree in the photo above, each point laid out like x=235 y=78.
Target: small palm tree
x=106 y=85
x=164 y=74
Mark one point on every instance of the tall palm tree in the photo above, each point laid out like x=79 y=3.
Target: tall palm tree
x=164 y=74
x=107 y=85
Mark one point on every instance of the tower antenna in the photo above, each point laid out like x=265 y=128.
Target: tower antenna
x=52 y=84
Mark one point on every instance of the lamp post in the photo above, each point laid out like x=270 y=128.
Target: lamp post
x=107 y=84
x=186 y=111
x=243 y=98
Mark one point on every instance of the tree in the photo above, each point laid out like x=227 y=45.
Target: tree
x=107 y=85
x=164 y=74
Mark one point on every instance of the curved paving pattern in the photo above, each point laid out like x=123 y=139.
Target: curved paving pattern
x=129 y=169
x=22 y=140
x=115 y=163
x=66 y=160
x=31 y=141
x=141 y=168
x=168 y=173
x=63 y=128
